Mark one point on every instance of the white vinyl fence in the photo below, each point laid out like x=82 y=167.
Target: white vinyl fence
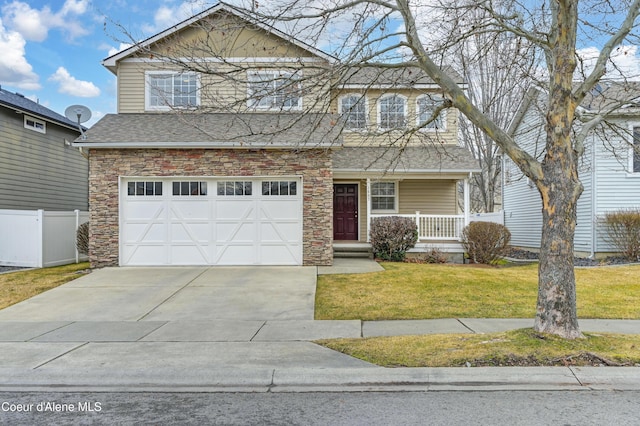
x=38 y=238
x=496 y=217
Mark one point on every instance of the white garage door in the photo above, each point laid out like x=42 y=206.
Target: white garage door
x=196 y=221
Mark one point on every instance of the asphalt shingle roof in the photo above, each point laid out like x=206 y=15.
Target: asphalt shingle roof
x=184 y=129
x=17 y=101
x=396 y=77
x=407 y=160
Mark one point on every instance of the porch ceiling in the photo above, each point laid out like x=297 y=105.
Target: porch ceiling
x=436 y=162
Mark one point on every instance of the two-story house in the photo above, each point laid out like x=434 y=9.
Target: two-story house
x=39 y=169
x=609 y=169
x=236 y=143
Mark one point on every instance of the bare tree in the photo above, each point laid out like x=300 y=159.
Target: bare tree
x=497 y=69
x=401 y=39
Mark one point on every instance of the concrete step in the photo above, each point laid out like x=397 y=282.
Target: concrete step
x=352 y=255
x=352 y=251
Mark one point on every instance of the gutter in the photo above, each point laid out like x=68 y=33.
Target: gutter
x=197 y=145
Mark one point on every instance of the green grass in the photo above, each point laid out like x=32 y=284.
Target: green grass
x=424 y=291
x=523 y=347
x=21 y=285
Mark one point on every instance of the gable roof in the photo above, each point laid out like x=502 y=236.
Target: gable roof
x=24 y=105
x=614 y=98
x=219 y=130
x=110 y=62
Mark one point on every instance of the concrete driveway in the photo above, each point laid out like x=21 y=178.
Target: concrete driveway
x=176 y=293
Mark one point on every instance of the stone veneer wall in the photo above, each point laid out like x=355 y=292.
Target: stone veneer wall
x=107 y=165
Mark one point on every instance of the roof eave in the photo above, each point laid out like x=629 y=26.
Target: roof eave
x=199 y=145
x=21 y=110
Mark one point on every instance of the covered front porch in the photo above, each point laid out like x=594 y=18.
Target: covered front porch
x=420 y=183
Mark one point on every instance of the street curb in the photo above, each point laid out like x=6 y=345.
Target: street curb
x=280 y=380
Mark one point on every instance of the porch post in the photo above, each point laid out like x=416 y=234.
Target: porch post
x=368 y=209
x=466 y=201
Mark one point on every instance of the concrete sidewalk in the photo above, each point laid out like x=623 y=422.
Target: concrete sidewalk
x=237 y=329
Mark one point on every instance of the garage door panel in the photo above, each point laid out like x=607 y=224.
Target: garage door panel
x=235 y=232
x=280 y=231
x=280 y=209
x=274 y=254
x=229 y=228
x=190 y=254
x=144 y=255
x=193 y=231
x=234 y=209
x=147 y=232
x=237 y=255
x=185 y=210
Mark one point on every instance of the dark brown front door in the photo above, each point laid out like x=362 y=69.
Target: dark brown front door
x=345 y=212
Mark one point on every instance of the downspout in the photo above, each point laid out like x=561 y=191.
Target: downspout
x=368 y=210
x=594 y=203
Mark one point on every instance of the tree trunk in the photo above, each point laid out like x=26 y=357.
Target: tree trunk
x=556 y=305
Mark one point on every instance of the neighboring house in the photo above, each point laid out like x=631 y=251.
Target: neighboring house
x=269 y=157
x=39 y=169
x=609 y=168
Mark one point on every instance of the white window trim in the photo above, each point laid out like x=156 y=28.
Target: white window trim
x=296 y=74
x=389 y=95
x=147 y=90
x=443 y=115
x=396 y=198
x=365 y=100
x=36 y=122
x=630 y=172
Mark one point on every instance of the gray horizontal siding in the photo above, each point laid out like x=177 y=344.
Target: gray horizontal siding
x=37 y=171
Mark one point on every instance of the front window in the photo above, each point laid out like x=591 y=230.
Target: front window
x=635 y=151
x=427 y=105
x=275 y=90
x=383 y=196
x=354 y=112
x=172 y=90
x=392 y=112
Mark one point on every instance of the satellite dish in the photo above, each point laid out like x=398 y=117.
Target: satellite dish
x=79 y=114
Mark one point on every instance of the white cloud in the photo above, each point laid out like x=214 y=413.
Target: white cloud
x=624 y=62
x=71 y=86
x=34 y=24
x=166 y=16
x=14 y=68
x=113 y=50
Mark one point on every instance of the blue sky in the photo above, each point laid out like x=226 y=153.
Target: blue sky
x=51 y=50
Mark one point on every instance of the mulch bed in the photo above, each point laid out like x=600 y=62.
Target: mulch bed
x=519 y=254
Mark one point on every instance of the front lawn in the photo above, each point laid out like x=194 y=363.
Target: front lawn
x=424 y=291
x=21 y=285
x=523 y=347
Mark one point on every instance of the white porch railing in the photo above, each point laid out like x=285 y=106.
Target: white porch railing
x=433 y=226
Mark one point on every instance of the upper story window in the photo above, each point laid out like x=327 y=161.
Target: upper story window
x=426 y=106
x=166 y=90
x=274 y=90
x=392 y=112
x=35 y=124
x=634 y=154
x=353 y=109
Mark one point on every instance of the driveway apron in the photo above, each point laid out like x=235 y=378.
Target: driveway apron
x=175 y=293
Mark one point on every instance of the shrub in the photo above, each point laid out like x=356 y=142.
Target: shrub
x=485 y=242
x=82 y=238
x=392 y=236
x=435 y=255
x=623 y=232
